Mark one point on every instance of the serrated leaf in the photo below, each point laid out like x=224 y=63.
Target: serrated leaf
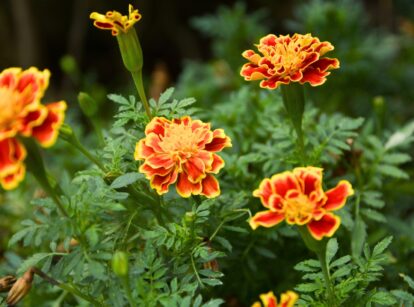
x=383 y=298
x=392 y=171
x=359 y=235
x=165 y=96
x=310 y=287
x=396 y=158
x=341 y=261
x=403 y=295
x=331 y=250
x=408 y=280
x=126 y=180
x=310 y=265
x=351 y=123
x=381 y=246
x=32 y=261
x=374 y=215
x=118 y=99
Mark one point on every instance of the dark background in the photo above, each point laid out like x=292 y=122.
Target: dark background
x=40 y=32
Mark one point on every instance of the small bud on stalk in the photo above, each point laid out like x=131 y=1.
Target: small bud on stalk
x=20 y=288
x=6 y=283
x=120 y=264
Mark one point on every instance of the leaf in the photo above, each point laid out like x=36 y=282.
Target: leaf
x=165 y=96
x=374 y=215
x=19 y=235
x=224 y=242
x=331 y=250
x=396 y=158
x=392 y=171
x=310 y=287
x=211 y=282
x=125 y=180
x=341 y=261
x=408 y=280
x=310 y=265
x=351 y=123
x=359 y=235
x=32 y=261
x=214 y=303
x=403 y=295
x=383 y=298
x=118 y=99
x=400 y=137
x=381 y=246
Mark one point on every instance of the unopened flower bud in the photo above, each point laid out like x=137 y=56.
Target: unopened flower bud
x=120 y=264
x=6 y=283
x=20 y=288
x=87 y=104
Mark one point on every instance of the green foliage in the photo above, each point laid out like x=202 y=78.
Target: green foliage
x=351 y=278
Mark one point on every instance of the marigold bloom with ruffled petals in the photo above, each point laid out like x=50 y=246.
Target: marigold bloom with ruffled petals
x=284 y=59
x=287 y=299
x=23 y=115
x=115 y=21
x=183 y=151
x=298 y=197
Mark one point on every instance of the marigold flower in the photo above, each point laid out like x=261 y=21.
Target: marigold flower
x=115 y=21
x=298 y=197
x=287 y=299
x=23 y=114
x=284 y=59
x=183 y=151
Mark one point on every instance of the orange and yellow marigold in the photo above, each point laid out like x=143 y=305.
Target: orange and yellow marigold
x=115 y=21
x=298 y=197
x=284 y=59
x=183 y=151
x=287 y=299
x=23 y=115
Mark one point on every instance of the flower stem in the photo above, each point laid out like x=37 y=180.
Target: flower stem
x=67 y=134
x=294 y=102
x=66 y=287
x=36 y=166
x=319 y=248
x=137 y=76
x=127 y=288
x=326 y=276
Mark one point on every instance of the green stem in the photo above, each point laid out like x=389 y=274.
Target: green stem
x=66 y=287
x=326 y=276
x=319 y=248
x=88 y=155
x=137 y=76
x=127 y=288
x=36 y=166
x=196 y=272
x=294 y=102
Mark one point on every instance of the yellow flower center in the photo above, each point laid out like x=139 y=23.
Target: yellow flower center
x=180 y=138
x=298 y=210
x=9 y=102
x=287 y=58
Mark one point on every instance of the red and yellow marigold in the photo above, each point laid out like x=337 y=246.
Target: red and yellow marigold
x=115 y=21
x=23 y=115
x=183 y=151
x=284 y=59
x=287 y=299
x=298 y=197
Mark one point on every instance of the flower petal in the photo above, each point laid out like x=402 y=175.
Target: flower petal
x=284 y=182
x=12 y=180
x=338 y=195
x=288 y=299
x=266 y=219
x=325 y=227
x=269 y=299
x=47 y=133
x=211 y=187
x=219 y=141
x=264 y=191
x=217 y=165
x=185 y=187
x=195 y=169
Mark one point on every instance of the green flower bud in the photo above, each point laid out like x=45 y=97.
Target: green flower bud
x=120 y=264
x=87 y=104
